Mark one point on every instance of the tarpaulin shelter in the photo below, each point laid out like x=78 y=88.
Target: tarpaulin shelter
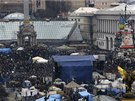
x=54 y=97
x=74 y=67
x=86 y=94
x=5 y=50
x=72 y=85
x=41 y=99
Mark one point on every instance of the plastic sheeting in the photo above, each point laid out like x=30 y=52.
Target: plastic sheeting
x=54 y=97
x=41 y=99
x=86 y=94
x=81 y=71
x=78 y=68
x=5 y=50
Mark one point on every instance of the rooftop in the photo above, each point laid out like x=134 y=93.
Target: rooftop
x=45 y=30
x=85 y=11
x=118 y=9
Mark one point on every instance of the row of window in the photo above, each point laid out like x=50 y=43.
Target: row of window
x=107 y=26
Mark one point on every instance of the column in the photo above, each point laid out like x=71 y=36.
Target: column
x=26 y=9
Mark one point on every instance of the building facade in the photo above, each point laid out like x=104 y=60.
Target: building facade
x=107 y=25
x=84 y=16
x=102 y=26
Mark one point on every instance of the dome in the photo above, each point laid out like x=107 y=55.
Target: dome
x=14 y=16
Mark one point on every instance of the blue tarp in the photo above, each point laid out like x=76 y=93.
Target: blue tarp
x=41 y=99
x=5 y=50
x=115 y=91
x=86 y=94
x=75 y=67
x=56 y=97
x=73 y=58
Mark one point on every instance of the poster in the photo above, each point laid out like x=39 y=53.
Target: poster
x=127 y=37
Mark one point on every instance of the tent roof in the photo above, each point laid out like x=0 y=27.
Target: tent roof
x=62 y=30
x=84 y=93
x=72 y=84
x=73 y=58
x=40 y=99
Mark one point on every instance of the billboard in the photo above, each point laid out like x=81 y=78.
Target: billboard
x=127 y=36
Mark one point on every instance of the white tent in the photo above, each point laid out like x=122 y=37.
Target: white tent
x=20 y=48
x=74 y=54
x=42 y=61
x=38 y=59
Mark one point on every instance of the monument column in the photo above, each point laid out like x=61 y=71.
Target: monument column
x=26 y=29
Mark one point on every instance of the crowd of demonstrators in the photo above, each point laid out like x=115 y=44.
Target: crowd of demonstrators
x=126 y=61
x=17 y=66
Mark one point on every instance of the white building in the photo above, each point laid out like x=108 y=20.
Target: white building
x=107 y=22
x=86 y=22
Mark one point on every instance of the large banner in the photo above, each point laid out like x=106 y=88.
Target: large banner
x=127 y=36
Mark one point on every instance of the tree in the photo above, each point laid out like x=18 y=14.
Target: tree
x=40 y=13
x=53 y=8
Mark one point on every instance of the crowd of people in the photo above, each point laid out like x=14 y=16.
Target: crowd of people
x=17 y=66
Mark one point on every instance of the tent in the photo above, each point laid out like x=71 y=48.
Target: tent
x=86 y=94
x=54 y=97
x=54 y=88
x=74 y=67
x=41 y=99
x=72 y=84
x=38 y=59
x=20 y=49
x=115 y=91
x=42 y=61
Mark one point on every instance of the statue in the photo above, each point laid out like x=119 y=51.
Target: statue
x=128 y=77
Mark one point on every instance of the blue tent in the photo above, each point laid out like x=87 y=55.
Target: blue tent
x=5 y=50
x=75 y=67
x=115 y=91
x=56 y=97
x=86 y=94
x=41 y=99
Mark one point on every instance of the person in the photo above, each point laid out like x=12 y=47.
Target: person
x=127 y=40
